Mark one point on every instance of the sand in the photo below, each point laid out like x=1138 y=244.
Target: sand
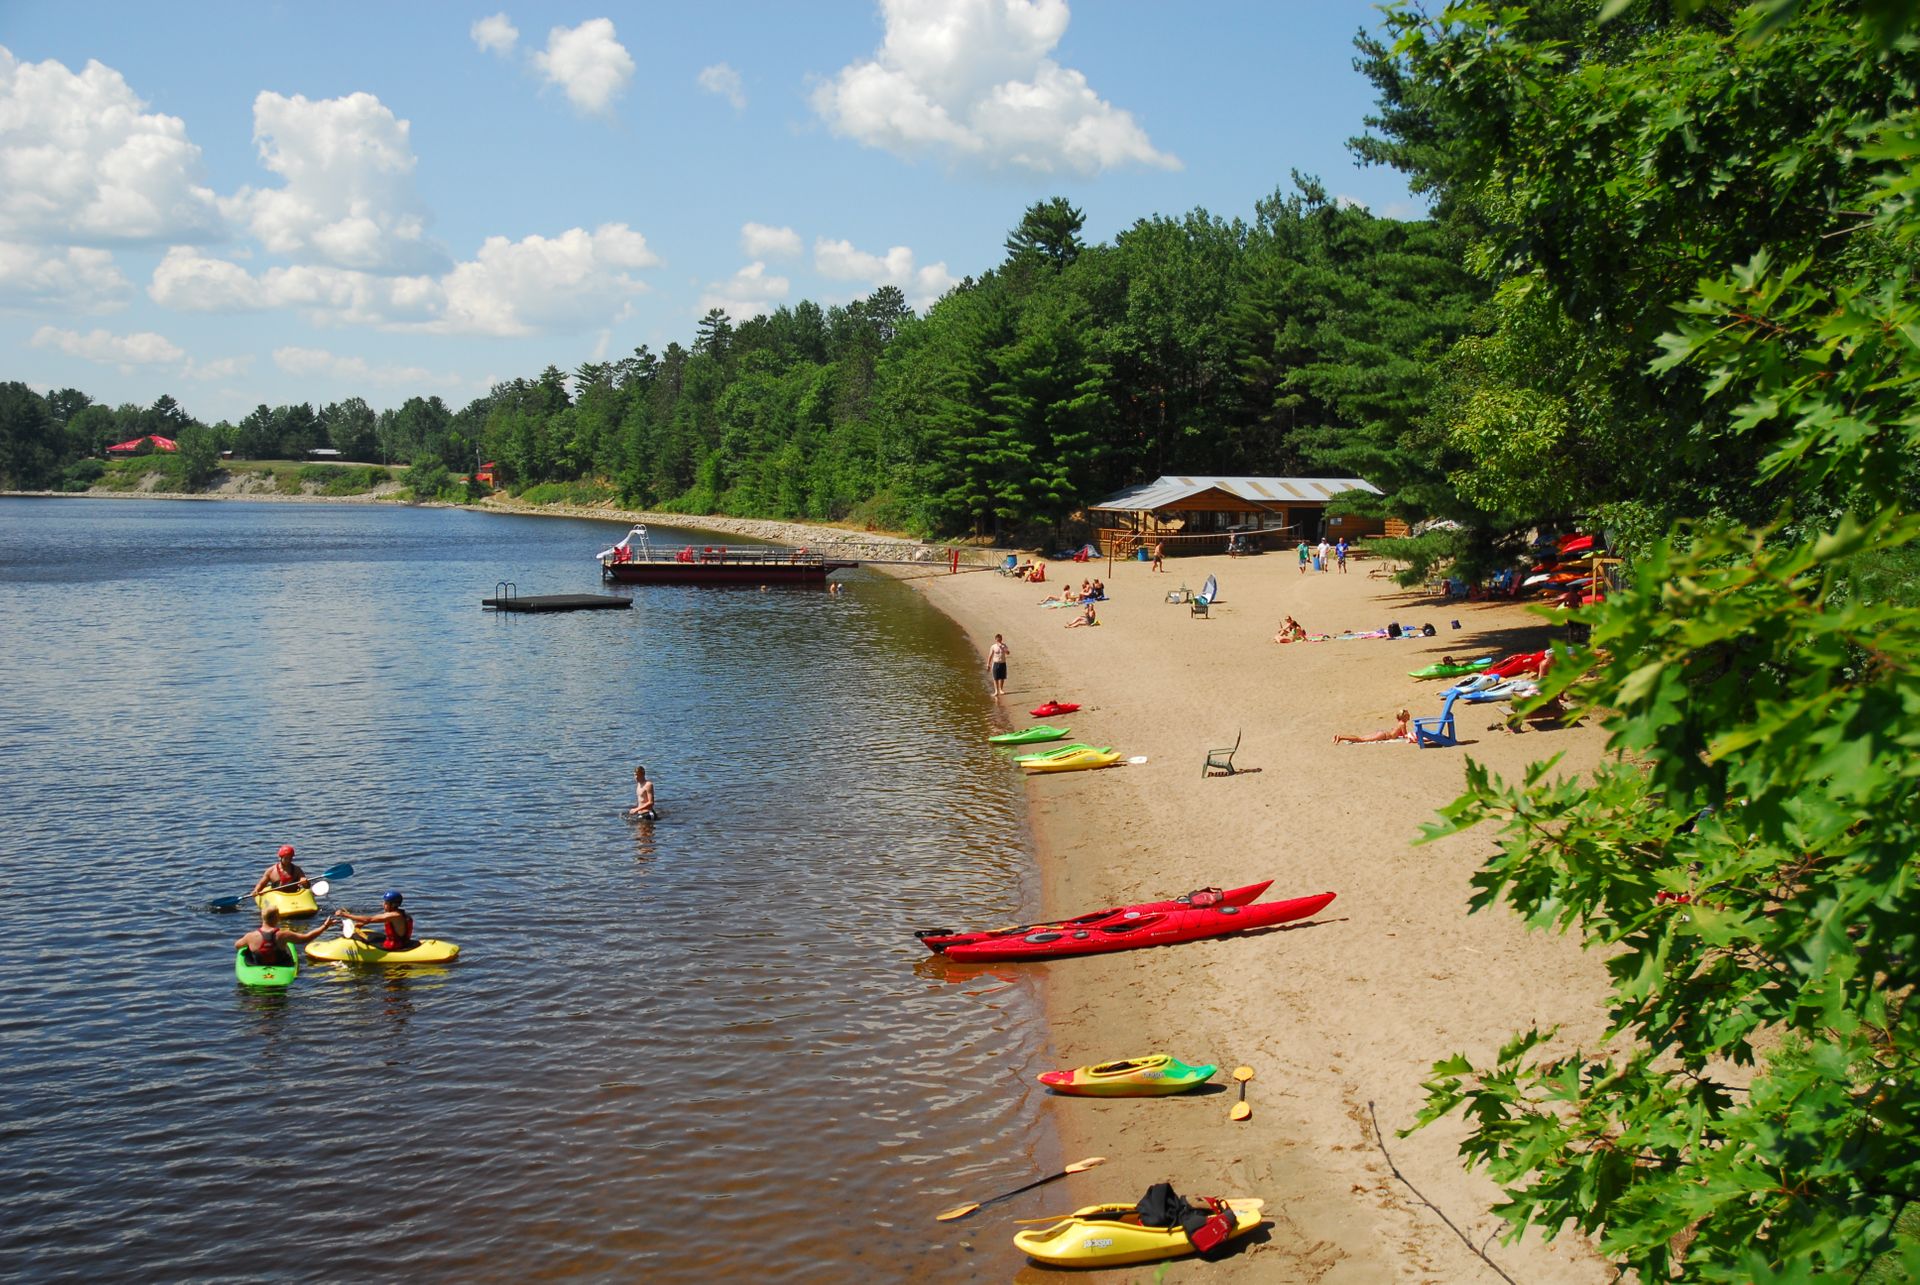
x=1338 y=1016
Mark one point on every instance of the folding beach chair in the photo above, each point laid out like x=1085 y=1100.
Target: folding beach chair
x=1222 y=758
x=1435 y=732
x=1204 y=599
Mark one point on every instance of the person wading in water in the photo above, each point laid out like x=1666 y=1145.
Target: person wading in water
x=642 y=809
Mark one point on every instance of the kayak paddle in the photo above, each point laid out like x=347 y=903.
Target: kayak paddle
x=1240 y=1109
x=961 y=1211
x=319 y=886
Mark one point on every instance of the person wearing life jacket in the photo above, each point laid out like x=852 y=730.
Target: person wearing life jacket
x=397 y=923
x=282 y=874
x=267 y=944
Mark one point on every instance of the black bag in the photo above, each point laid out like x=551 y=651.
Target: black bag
x=1393 y=631
x=1428 y=631
x=1208 y=1223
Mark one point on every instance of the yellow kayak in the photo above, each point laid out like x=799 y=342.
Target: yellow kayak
x=290 y=903
x=342 y=950
x=1080 y=762
x=1154 y=1075
x=1111 y=1236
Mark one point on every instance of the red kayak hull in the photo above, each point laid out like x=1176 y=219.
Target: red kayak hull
x=940 y=940
x=1135 y=929
x=1051 y=708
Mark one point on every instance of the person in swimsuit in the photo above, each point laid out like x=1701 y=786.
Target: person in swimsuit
x=1084 y=618
x=1398 y=732
x=1159 y=554
x=997 y=665
x=642 y=809
x=282 y=874
x=267 y=944
x=397 y=923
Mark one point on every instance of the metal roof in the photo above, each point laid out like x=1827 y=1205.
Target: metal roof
x=1163 y=491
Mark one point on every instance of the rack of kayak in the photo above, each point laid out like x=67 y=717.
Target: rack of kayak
x=1079 y=756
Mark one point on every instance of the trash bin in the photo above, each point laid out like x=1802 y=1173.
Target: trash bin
x=1141 y=555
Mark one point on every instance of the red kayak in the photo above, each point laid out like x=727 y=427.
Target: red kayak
x=1139 y=928
x=938 y=940
x=1052 y=708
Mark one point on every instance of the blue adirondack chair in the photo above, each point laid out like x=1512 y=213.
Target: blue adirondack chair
x=1434 y=732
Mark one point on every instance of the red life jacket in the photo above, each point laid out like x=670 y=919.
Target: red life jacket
x=270 y=951
x=405 y=939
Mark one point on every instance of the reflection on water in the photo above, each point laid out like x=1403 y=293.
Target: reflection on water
x=653 y=1031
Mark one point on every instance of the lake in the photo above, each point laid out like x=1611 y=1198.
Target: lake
x=698 y=1049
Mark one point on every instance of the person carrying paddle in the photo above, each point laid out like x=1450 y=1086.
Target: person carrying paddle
x=642 y=809
x=282 y=874
x=397 y=922
x=267 y=944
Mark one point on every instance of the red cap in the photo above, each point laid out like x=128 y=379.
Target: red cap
x=286 y=849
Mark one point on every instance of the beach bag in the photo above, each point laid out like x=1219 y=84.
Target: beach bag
x=1201 y=898
x=1208 y=1223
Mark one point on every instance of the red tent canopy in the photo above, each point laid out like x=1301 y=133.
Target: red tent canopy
x=159 y=444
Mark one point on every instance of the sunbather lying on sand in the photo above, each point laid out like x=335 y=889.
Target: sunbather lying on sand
x=1398 y=732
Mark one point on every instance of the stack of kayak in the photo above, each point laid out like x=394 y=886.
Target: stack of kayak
x=1208 y=912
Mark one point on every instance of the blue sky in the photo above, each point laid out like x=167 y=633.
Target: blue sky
x=238 y=203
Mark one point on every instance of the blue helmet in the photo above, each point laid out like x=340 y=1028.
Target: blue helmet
x=392 y=895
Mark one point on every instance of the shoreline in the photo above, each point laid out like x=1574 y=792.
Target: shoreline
x=1342 y=1017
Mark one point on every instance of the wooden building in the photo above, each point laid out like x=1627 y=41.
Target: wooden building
x=1202 y=514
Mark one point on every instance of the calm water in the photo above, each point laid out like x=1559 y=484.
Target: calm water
x=707 y=1048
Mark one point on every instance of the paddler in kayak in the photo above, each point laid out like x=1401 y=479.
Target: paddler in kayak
x=397 y=923
x=267 y=944
x=642 y=809
x=282 y=874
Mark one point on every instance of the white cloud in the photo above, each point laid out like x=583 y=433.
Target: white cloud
x=566 y=283
x=349 y=200
x=219 y=368
x=319 y=363
x=725 y=81
x=72 y=280
x=588 y=63
x=126 y=351
x=563 y=284
x=840 y=261
x=758 y=241
x=750 y=292
x=971 y=79
x=496 y=34
x=81 y=161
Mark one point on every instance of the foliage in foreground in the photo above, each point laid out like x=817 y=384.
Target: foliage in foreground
x=1755 y=1116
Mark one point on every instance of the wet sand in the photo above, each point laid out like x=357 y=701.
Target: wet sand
x=1339 y=1016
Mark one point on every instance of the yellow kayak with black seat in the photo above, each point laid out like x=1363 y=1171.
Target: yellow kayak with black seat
x=1154 y=1075
x=354 y=950
x=1113 y=1236
x=290 y=902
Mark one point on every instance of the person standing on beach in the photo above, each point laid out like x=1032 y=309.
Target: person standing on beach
x=642 y=809
x=997 y=665
x=1340 y=554
x=1159 y=554
x=1322 y=556
x=1305 y=555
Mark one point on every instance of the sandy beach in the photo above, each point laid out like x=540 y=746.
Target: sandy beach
x=1340 y=1017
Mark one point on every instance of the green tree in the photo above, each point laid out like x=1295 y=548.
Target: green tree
x=199 y=450
x=1753 y=1117
x=1048 y=235
x=29 y=439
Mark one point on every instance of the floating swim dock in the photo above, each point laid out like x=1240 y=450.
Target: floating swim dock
x=507 y=598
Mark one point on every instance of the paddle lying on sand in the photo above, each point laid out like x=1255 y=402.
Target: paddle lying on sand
x=1079 y=1166
x=320 y=888
x=1240 y=1109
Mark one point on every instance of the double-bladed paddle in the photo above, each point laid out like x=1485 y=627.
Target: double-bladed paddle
x=1078 y=1166
x=1240 y=1109
x=318 y=886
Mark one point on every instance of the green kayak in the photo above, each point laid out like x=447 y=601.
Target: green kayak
x=1438 y=670
x=277 y=976
x=1053 y=751
x=1032 y=736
